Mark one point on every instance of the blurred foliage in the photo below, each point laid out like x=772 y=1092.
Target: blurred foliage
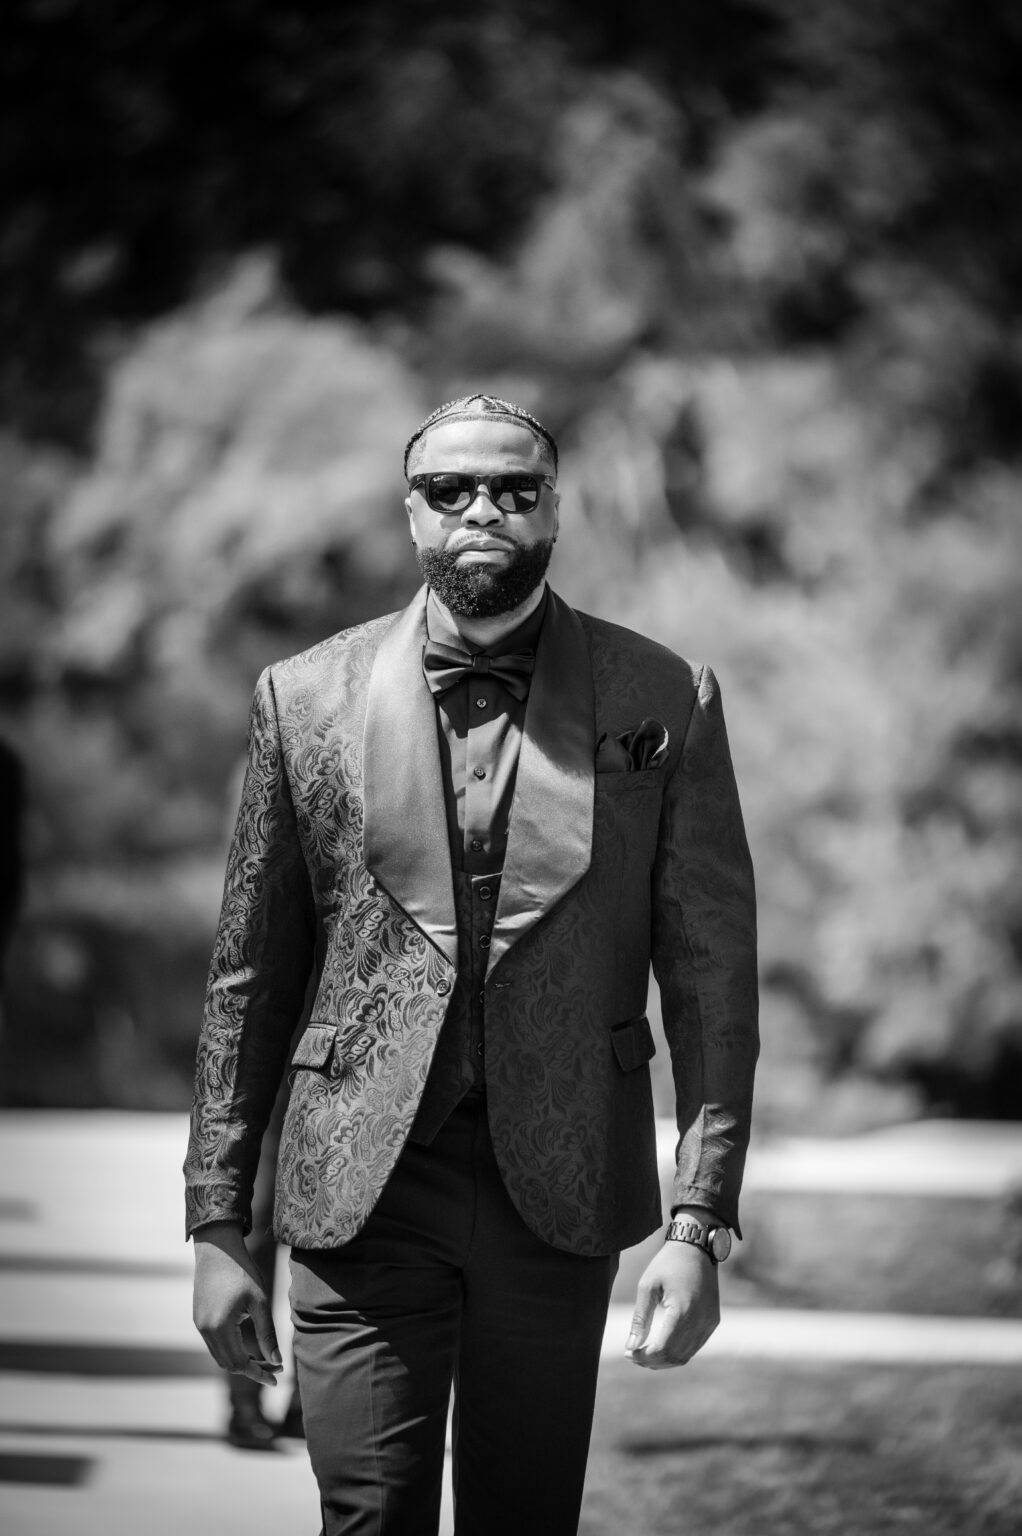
x=758 y=266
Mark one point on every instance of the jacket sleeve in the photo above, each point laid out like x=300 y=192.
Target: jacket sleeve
x=257 y=980
x=704 y=960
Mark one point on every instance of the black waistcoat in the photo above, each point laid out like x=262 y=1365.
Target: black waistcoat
x=458 y=1068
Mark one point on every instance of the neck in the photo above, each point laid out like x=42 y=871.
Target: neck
x=487 y=633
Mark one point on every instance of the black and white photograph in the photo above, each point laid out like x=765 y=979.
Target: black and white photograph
x=510 y=768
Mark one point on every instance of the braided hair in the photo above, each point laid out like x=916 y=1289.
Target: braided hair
x=483 y=408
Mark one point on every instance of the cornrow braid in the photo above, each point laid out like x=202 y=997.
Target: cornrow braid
x=486 y=406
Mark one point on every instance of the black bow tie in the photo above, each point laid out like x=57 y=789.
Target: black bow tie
x=445 y=665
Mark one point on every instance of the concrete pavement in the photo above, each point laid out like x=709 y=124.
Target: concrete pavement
x=111 y=1414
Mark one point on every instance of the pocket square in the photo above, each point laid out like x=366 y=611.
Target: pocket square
x=644 y=746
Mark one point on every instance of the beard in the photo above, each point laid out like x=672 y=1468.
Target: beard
x=478 y=591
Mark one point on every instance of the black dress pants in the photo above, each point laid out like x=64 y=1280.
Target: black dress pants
x=446 y=1285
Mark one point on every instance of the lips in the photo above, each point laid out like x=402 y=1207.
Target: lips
x=475 y=546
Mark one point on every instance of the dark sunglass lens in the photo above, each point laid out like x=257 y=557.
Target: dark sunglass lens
x=449 y=493
x=515 y=493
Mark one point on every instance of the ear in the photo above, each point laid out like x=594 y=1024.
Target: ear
x=411 y=517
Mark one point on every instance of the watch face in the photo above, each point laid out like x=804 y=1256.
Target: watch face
x=720 y=1244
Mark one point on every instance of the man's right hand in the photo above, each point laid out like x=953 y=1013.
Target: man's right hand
x=230 y=1307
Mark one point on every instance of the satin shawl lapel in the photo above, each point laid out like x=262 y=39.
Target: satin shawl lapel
x=404 y=834
x=550 y=837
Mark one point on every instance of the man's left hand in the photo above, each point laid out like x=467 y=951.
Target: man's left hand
x=677 y=1307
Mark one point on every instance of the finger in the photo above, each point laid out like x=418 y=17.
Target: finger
x=265 y=1333
x=254 y=1362
x=645 y=1306
x=256 y=1371
x=673 y=1340
x=657 y=1362
x=231 y=1353
x=661 y=1356
x=662 y=1345
x=228 y=1349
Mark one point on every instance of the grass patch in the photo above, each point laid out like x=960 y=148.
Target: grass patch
x=878 y=1254
x=865 y=1253
x=758 y=1449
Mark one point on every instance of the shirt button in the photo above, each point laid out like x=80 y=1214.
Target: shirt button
x=485 y=893
x=480 y=773
x=480 y=703
x=484 y=941
x=476 y=845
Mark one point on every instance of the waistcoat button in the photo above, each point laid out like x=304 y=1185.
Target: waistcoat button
x=484 y=941
x=443 y=987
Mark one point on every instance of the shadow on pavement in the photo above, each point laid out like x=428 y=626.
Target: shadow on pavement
x=44 y=1471
x=55 y=1358
x=80 y=1264
x=107 y=1431
x=800 y=1444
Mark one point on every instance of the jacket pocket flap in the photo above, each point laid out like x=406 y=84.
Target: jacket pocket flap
x=354 y=1043
x=313 y=1049
x=633 y=1043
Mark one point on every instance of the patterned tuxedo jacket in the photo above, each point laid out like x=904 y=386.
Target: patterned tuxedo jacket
x=340 y=872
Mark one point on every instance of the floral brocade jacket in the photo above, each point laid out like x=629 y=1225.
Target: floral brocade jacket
x=339 y=876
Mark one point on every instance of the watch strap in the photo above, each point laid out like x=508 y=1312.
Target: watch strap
x=684 y=1229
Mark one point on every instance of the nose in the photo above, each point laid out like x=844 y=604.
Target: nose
x=481 y=511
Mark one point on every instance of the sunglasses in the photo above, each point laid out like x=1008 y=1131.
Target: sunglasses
x=449 y=492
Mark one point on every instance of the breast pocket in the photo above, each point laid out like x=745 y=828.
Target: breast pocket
x=633 y=783
x=627 y=816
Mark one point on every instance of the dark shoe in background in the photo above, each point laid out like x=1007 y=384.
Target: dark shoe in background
x=292 y=1426
x=248 y=1428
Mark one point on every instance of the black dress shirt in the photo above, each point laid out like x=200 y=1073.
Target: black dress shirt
x=479 y=729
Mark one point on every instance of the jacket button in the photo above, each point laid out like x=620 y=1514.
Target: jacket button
x=443 y=987
x=485 y=893
x=479 y=1048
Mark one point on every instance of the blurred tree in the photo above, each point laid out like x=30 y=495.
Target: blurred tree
x=758 y=263
x=142 y=143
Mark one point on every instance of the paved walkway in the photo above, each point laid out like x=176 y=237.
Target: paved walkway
x=111 y=1415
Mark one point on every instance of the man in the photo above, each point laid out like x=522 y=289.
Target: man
x=475 y=824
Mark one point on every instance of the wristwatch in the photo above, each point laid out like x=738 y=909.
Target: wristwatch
x=714 y=1241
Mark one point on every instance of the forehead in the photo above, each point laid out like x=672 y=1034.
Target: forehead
x=489 y=446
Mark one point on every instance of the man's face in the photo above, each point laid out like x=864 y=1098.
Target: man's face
x=482 y=561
